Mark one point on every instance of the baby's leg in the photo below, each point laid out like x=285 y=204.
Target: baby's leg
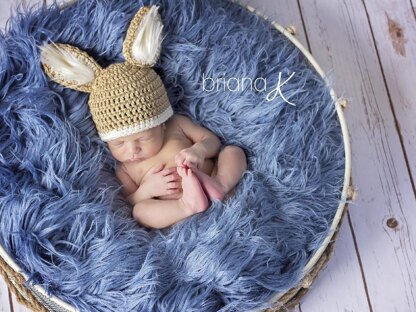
x=158 y=214
x=231 y=164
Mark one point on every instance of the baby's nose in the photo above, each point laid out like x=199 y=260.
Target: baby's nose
x=134 y=148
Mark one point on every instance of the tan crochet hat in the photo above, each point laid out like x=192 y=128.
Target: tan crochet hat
x=125 y=98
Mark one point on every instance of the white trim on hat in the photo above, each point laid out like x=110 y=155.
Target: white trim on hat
x=142 y=126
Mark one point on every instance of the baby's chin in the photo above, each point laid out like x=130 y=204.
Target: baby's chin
x=134 y=160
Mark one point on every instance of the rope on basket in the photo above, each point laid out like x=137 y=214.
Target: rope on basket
x=15 y=281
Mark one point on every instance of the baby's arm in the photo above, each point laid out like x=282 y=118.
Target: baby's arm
x=204 y=140
x=129 y=186
x=131 y=190
x=161 y=182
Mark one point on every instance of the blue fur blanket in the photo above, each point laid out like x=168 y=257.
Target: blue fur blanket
x=62 y=214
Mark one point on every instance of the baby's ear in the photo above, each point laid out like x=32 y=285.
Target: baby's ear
x=144 y=37
x=69 y=66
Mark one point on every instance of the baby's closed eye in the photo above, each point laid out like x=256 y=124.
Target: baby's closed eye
x=116 y=143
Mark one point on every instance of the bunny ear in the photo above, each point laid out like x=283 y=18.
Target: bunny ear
x=69 y=66
x=144 y=37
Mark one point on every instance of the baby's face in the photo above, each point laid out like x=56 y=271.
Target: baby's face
x=138 y=147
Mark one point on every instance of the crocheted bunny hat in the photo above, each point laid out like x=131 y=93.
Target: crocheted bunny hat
x=125 y=98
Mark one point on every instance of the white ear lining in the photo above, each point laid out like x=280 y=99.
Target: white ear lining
x=148 y=38
x=66 y=65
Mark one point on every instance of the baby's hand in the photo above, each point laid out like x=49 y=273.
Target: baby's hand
x=190 y=157
x=162 y=182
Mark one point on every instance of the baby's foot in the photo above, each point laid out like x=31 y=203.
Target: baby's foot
x=193 y=197
x=212 y=187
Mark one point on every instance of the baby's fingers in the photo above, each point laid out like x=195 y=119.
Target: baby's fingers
x=173 y=191
x=173 y=177
x=168 y=171
x=174 y=185
x=190 y=164
x=179 y=159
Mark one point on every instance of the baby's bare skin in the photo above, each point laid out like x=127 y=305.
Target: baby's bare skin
x=174 y=142
x=172 y=174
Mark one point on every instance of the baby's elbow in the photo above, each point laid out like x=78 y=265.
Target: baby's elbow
x=128 y=190
x=211 y=136
x=217 y=142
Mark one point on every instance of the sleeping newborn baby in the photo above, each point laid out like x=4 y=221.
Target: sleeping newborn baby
x=168 y=172
x=170 y=168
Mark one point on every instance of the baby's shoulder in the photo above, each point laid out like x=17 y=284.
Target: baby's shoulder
x=179 y=119
x=177 y=122
x=121 y=168
x=120 y=172
x=182 y=122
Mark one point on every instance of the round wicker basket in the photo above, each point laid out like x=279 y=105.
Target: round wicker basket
x=35 y=297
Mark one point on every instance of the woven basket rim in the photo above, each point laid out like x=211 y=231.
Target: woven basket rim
x=347 y=175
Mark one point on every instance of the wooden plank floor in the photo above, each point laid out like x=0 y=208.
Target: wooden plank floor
x=369 y=47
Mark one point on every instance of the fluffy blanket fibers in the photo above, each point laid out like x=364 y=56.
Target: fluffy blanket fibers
x=62 y=214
